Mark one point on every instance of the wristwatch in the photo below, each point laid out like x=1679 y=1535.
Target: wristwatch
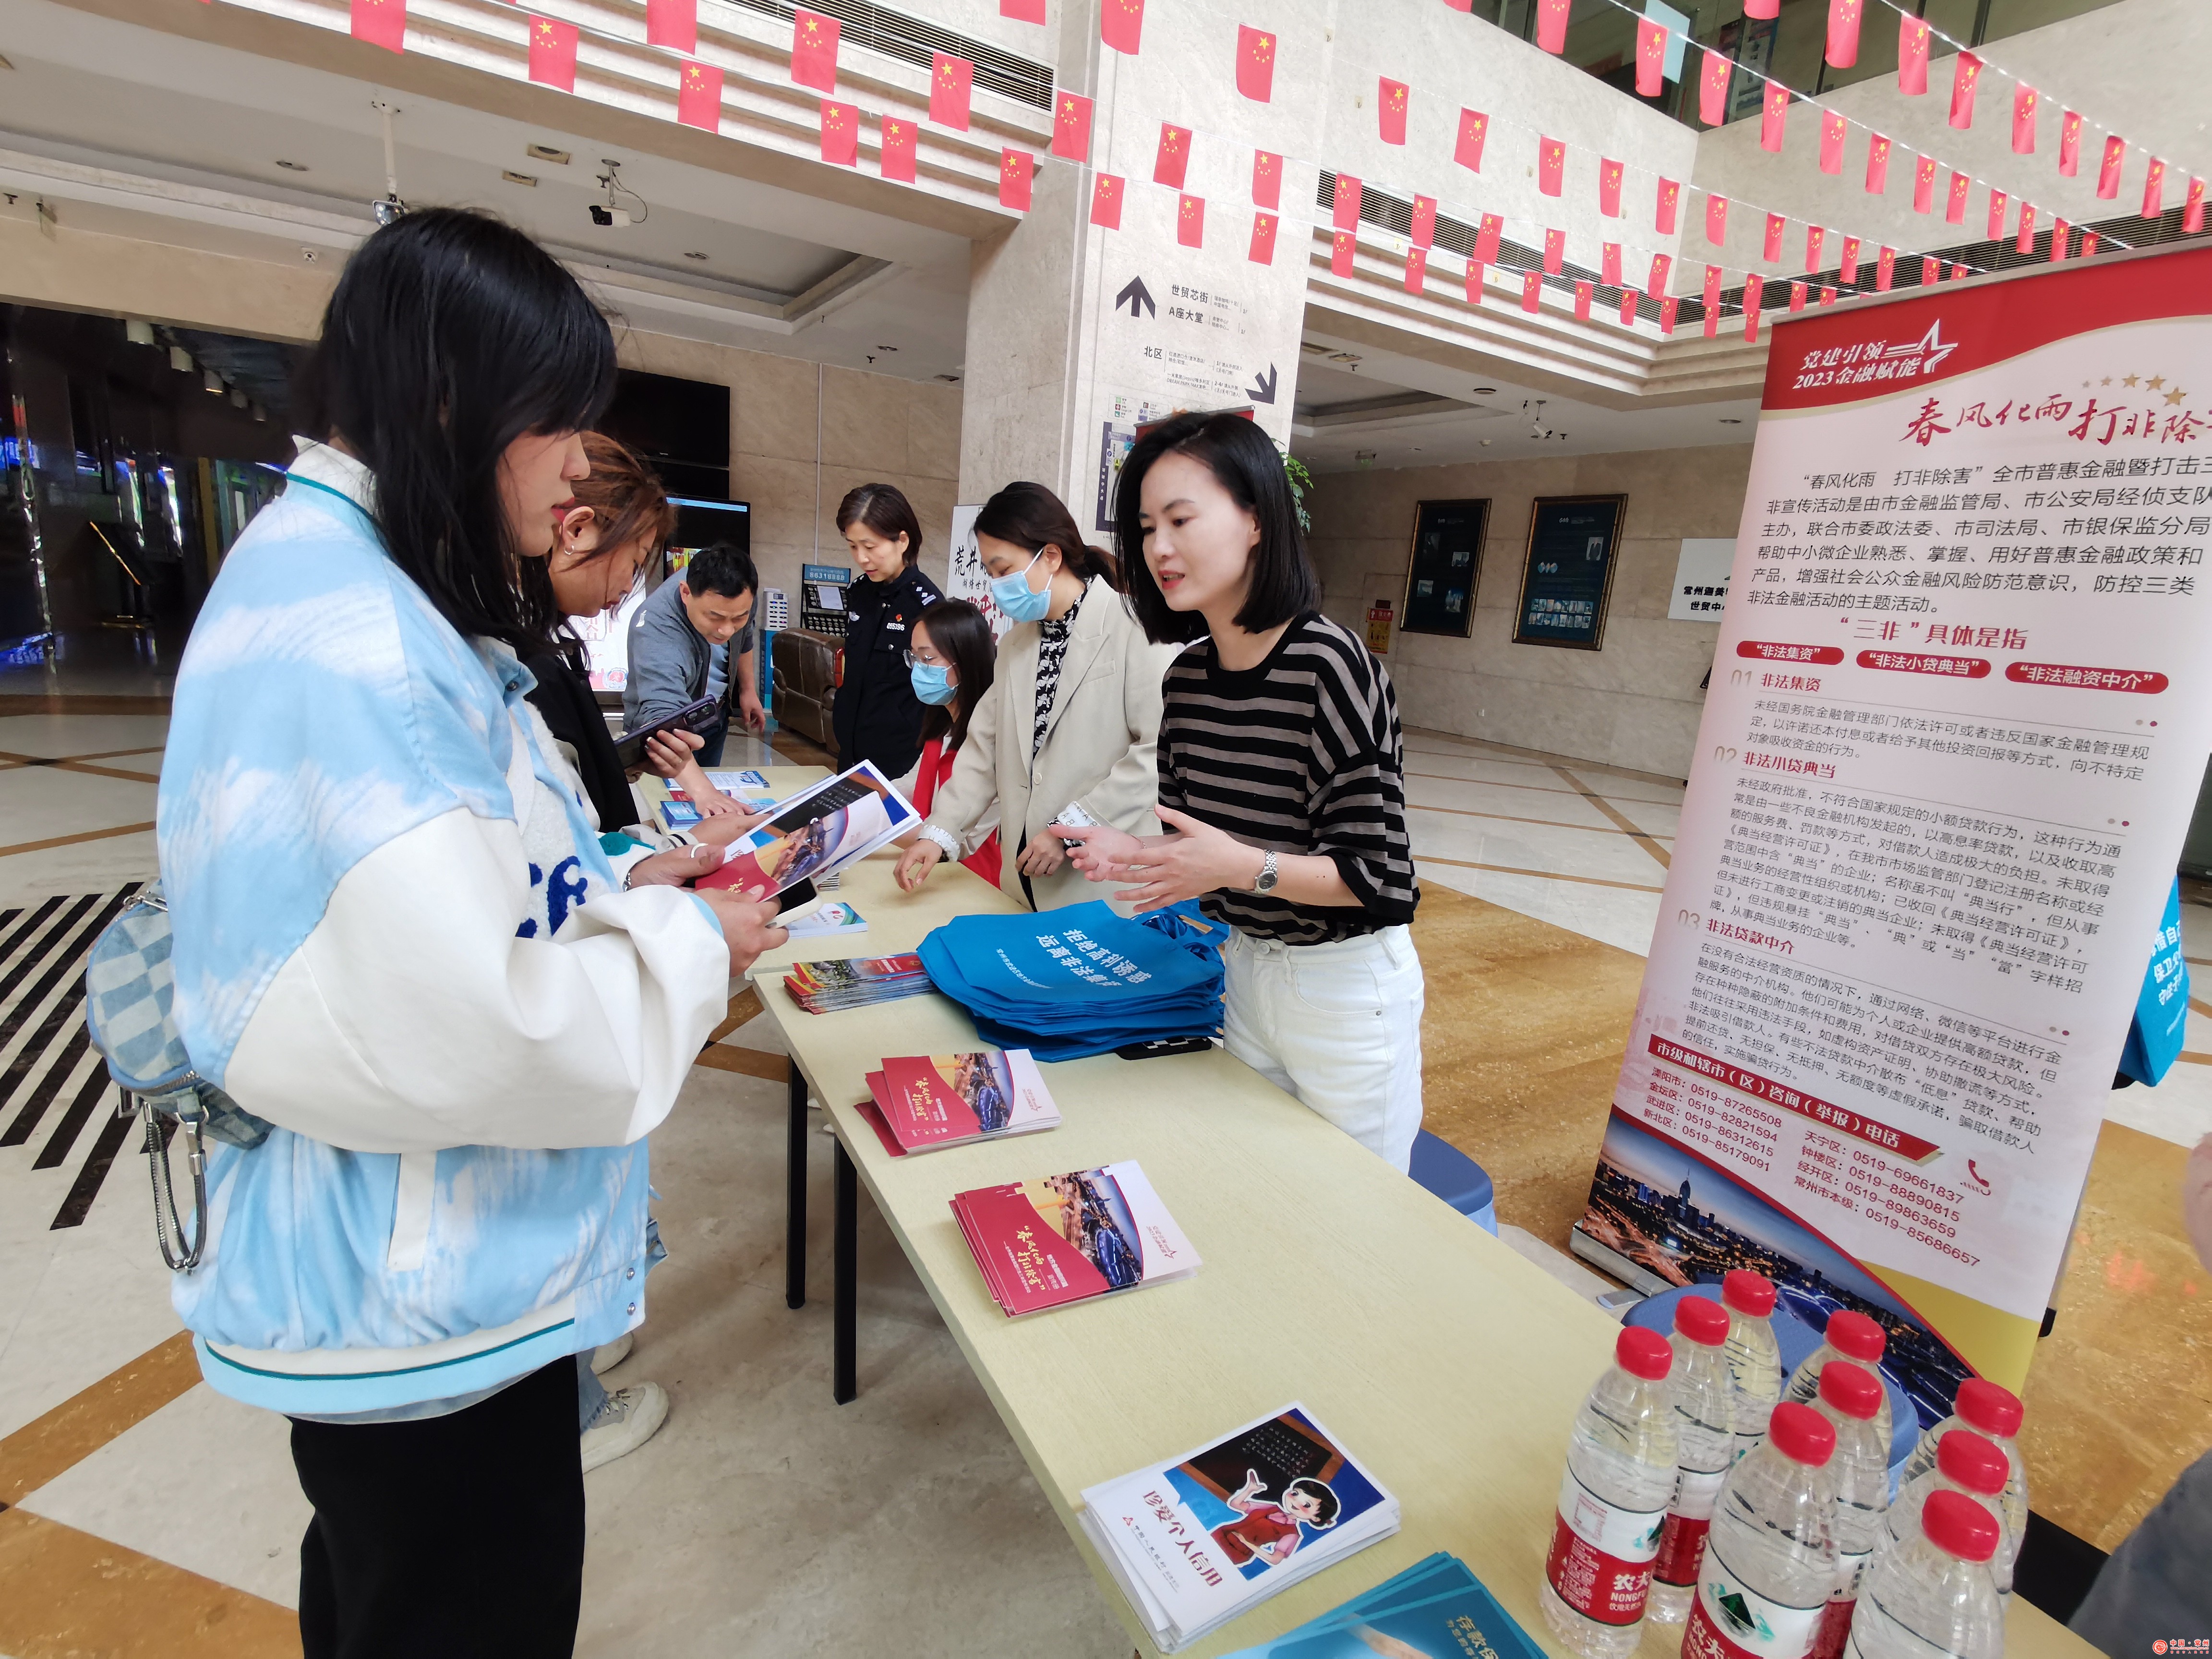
x=1266 y=884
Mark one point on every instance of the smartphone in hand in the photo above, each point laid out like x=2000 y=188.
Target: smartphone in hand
x=629 y=748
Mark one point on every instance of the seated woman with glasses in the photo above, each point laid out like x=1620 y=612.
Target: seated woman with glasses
x=950 y=666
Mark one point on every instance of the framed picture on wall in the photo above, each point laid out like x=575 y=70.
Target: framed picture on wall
x=1567 y=575
x=1441 y=572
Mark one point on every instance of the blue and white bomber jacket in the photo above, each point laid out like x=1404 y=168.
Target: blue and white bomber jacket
x=398 y=938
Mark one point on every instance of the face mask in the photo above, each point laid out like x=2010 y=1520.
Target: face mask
x=1013 y=595
x=930 y=682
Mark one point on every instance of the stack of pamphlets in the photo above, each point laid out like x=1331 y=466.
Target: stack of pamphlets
x=678 y=811
x=825 y=987
x=737 y=785
x=1196 y=1542
x=1435 y=1610
x=832 y=916
x=814 y=834
x=1068 y=1238
x=929 y=1101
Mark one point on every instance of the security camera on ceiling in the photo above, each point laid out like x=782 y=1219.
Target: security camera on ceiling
x=624 y=205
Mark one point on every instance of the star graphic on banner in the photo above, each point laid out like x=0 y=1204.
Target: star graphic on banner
x=2085 y=385
x=1397 y=98
x=2156 y=383
x=811 y=26
x=2107 y=381
x=2176 y=396
x=1264 y=47
x=2127 y=380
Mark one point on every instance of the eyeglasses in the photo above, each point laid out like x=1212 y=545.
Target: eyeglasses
x=915 y=660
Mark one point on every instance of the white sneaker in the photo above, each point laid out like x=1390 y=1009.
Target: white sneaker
x=608 y=1355
x=631 y=1416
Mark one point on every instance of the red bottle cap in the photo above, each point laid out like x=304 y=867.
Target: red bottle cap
x=1748 y=1293
x=1645 y=1354
x=1851 y=1389
x=1855 y=1336
x=1991 y=1409
x=1955 y=1522
x=1702 y=1320
x=1801 y=1434
x=1967 y=1460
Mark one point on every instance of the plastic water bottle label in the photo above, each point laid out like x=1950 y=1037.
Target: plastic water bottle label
x=1734 y=1621
x=1600 y=1559
x=1836 y=1619
x=1682 y=1544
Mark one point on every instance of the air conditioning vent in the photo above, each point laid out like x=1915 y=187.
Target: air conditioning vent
x=862 y=23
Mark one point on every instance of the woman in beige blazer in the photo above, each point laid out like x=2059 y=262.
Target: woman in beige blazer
x=1071 y=717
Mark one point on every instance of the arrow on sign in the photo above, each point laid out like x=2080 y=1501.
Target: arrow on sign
x=1138 y=296
x=1262 y=389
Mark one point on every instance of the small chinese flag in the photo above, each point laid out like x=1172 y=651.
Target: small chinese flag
x=1877 y=165
x=1712 y=290
x=1416 y=269
x=1267 y=179
x=1911 y=54
x=1255 y=64
x=1712 y=322
x=1959 y=273
x=2192 y=209
x=1262 y=251
x=673 y=24
x=1550 y=165
x=1070 y=126
x=1422 y=232
x=1172 y=160
x=1929 y=271
x=1713 y=87
x=1998 y=199
x=1650 y=57
x=1833 y=128
x=1341 y=245
x=2069 y=144
x=1773 y=110
x=1796 y=296
x=1844 y=33
x=1815 y=238
x=1776 y=224
x=900 y=139
x=1023 y=11
x=2023 y=118
x=1486 y=239
x=1923 y=185
x=1827 y=296
x=1955 y=210
x=1628 y=308
x=1670 y=197
x=1716 y=219
x=1752 y=284
x=1885 y=269
x=1608 y=187
x=1016 y=168
x=1667 y=309
x=382 y=23
x=2088 y=243
x=1106 y=202
x=553 y=54
x=1474 y=127
x=1344 y=203
x=1532 y=283
x=951 y=85
x=1583 y=291
x=841 y=134
x=814 y=51
x=1474 y=280
x=1655 y=283
x=699 y=96
x=2108 y=170
x=1190 y=221
x=1762 y=8
x=1552 y=25
x=2154 y=201
x=1851 y=263
x=1121 y=24
x=1555 y=251
x=1963 y=79
x=1391 y=109
x=2058 y=231
x=1608 y=265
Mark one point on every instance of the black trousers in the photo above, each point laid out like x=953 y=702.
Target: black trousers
x=457 y=1537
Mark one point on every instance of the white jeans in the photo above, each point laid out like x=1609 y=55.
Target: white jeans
x=1337 y=1026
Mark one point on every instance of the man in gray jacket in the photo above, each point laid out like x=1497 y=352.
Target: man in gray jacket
x=682 y=639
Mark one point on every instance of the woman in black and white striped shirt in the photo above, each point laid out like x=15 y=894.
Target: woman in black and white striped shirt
x=1282 y=775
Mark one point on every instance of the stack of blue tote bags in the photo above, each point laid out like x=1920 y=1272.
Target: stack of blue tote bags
x=1083 y=980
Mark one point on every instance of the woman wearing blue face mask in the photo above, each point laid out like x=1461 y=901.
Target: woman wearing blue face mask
x=949 y=665
x=1068 y=721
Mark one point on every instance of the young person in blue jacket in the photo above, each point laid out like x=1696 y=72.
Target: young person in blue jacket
x=398 y=939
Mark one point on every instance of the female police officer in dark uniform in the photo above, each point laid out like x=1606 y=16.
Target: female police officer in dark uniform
x=876 y=717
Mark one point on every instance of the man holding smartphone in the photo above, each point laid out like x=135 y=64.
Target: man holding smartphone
x=684 y=642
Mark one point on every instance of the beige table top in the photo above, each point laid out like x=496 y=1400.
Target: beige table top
x=1447 y=1363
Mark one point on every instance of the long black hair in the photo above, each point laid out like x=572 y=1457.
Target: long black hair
x=449 y=336
x=1244 y=462
x=963 y=638
x=1030 y=515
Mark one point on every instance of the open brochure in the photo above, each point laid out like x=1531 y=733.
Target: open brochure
x=1068 y=1238
x=929 y=1101
x=814 y=834
x=1197 y=1540
x=1435 y=1609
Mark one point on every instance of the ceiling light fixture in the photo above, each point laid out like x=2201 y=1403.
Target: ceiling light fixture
x=546 y=152
x=694 y=256
x=291 y=166
x=528 y=180
x=1730 y=419
x=1485 y=392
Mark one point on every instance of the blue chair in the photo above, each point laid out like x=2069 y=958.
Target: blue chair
x=1454 y=1178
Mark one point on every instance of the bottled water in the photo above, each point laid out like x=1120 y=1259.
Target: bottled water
x=1704 y=1416
x=1994 y=1413
x=1933 y=1598
x=1754 y=1360
x=1971 y=1465
x=1855 y=1337
x=1771 y=1557
x=1613 y=1501
x=1851 y=1398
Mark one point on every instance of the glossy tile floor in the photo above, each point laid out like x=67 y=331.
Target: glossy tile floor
x=146 y=1515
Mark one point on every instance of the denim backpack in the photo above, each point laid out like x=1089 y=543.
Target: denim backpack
x=129 y=1014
